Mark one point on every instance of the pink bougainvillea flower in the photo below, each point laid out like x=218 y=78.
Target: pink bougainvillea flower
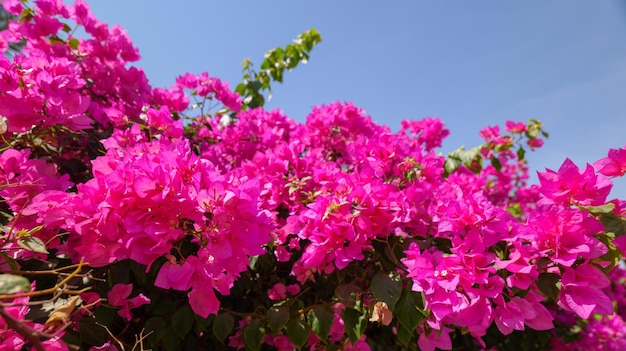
x=614 y=165
x=325 y=195
x=515 y=127
x=118 y=296
x=518 y=312
x=429 y=131
x=564 y=234
x=435 y=339
x=534 y=143
x=107 y=346
x=581 y=291
x=277 y=292
x=571 y=186
x=10 y=339
x=203 y=301
x=175 y=276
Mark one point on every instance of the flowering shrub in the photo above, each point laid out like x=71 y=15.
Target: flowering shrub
x=124 y=228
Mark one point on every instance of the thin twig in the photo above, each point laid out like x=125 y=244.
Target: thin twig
x=24 y=330
x=56 y=271
x=52 y=290
x=112 y=336
x=139 y=339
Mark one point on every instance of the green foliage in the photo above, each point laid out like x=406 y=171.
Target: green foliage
x=11 y=284
x=474 y=158
x=223 y=326
x=33 y=244
x=355 y=323
x=534 y=129
x=599 y=210
x=253 y=335
x=526 y=340
x=278 y=317
x=168 y=322
x=460 y=157
x=298 y=331
x=183 y=321
x=408 y=310
x=320 y=319
x=256 y=85
x=386 y=289
x=613 y=224
x=613 y=256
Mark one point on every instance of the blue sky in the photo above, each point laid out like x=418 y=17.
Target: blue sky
x=471 y=63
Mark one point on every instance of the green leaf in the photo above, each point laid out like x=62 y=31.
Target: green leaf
x=257 y=101
x=254 y=85
x=223 y=325
x=34 y=244
x=407 y=310
x=55 y=40
x=298 y=331
x=405 y=335
x=386 y=289
x=496 y=163
x=321 y=319
x=170 y=343
x=12 y=263
x=606 y=208
x=241 y=88
x=516 y=210
x=202 y=324
x=354 y=322
x=273 y=67
x=11 y=284
x=613 y=223
x=451 y=164
x=74 y=43
x=253 y=334
x=548 y=284
x=33 y=230
x=278 y=317
x=462 y=156
x=155 y=327
x=532 y=132
x=468 y=156
x=521 y=153
x=183 y=321
x=347 y=294
x=613 y=256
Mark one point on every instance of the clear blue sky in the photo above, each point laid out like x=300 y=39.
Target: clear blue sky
x=472 y=63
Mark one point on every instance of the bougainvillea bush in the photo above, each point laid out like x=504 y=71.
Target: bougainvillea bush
x=190 y=218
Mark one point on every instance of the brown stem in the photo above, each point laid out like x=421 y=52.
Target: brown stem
x=52 y=290
x=24 y=330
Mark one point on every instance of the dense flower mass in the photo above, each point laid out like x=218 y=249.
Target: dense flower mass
x=206 y=222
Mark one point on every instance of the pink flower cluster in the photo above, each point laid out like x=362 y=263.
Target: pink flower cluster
x=464 y=288
x=146 y=199
x=22 y=180
x=603 y=332
x=11 y=339
x=68 y=80
x=479 y=245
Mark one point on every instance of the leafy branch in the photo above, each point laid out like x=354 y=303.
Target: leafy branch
x=256 y=85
